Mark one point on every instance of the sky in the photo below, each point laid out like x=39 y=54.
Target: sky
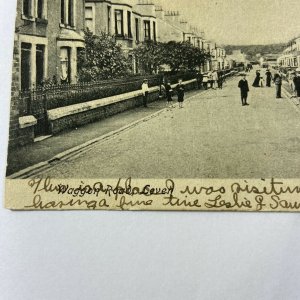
x=240 y=22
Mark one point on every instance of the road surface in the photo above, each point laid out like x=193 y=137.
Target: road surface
x=213 y=136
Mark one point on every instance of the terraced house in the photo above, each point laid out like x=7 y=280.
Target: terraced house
x=290 y=57
x=48 y=42
x=48 y=37
x=129 y=22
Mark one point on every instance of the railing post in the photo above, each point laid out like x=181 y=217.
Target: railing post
x=45 y=113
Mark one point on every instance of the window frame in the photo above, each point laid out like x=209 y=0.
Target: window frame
x=119 y=12
x=147 y=31
x=154 y=30
x=68 y=13
x=33 y=13
x=109 y=19
x=129 y=24
x=92 y=18
x=137 y=30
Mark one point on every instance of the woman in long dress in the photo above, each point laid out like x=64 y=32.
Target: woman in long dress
x=257 y=79
x=269 y=78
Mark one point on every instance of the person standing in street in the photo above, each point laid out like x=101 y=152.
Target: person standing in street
x=278 y=83
x=205 y=81
x=257 y=79
x=210 y=79
x=215 y=79
x=268 y=78
x=199 y=80
x=169 y=94
x=145 y=91
x=291 y=80
x=180 y=93
x=220 y=81
x=244 y=87
x=297 y=86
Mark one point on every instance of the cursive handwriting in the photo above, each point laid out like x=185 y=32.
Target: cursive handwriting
x=38 y=203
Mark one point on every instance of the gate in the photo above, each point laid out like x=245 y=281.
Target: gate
x=35 y=103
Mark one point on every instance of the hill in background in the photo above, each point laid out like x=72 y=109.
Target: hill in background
x=253 y=50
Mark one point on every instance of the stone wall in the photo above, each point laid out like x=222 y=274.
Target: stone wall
x=82 y=117
x=17 y=136
x=80 y=114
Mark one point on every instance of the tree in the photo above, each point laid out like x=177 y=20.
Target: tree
x=176 y=55
x=101 y=59
x=184 y=56
x=149 y=56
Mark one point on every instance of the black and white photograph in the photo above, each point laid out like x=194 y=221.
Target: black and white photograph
x=149 y=149
x=155 y=90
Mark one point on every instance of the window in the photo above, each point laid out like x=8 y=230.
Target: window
x=32 y=71
x=27 y=8
x=129 y=24
x=62 y=11
x=154 y=31
x=137 y=30
x=89 y=19
x=108 y=19
x=25 y=66
x=147 y=31
x=65 y=71
x=119 y=22
x=189 y=39
x=40 y=62
x=40 y=9
x=67 y=16
x=71 y=13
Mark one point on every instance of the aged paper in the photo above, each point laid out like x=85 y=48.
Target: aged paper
x=155 y=105
x=128 y=194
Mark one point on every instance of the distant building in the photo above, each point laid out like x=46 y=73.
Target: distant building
x=237 y=57
x=290 y=58
x=269 y=60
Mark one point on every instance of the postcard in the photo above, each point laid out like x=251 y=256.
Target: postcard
x=155 y=105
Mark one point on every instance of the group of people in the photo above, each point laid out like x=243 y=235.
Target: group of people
x=215 y=79
x=169 y=92
x=277 y=79
x=259 y=79
x=259 y=82
x=249 y=67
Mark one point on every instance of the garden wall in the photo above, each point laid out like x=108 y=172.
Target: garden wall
x=83 y=113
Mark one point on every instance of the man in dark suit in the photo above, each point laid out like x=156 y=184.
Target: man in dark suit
x=244 y=87
x=296 y=81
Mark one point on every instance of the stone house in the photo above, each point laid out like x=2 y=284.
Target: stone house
x=48 y=36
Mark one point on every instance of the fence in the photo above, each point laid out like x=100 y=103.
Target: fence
x=38 y=101
x=54 y=96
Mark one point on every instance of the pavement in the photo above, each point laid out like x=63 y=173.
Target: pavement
x=47 y=150
x=213 y=136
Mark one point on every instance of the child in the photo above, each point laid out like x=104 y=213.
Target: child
x=169 y=93
x=180 y=93
x=205 y=82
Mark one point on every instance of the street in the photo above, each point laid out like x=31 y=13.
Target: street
x=213 y=136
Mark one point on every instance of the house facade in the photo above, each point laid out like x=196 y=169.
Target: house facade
x=48 y=37
x=129 y=22
x=49 y=40
x=290 y=57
